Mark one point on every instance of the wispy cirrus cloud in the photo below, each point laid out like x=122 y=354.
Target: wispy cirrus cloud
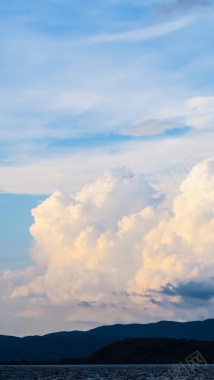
x=143 y=34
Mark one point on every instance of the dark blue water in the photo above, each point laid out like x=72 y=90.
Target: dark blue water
x=116 y=372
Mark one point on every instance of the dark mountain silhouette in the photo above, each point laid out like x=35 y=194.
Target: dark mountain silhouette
x=51 y=347
x=79 y=344
x=199 y=330
x=154 y=351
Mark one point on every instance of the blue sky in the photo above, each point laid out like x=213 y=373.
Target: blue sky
x=90 y=85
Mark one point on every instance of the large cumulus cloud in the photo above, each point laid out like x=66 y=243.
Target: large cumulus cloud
x=89 y=244
x=114 y=250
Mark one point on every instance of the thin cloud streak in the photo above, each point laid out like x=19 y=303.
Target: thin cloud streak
x=143 y=34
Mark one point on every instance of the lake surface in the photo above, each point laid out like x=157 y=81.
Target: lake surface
x=116 y=372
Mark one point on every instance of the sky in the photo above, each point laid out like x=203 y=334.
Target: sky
x=106 y=163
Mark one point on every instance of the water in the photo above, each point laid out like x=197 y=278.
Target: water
x=116 y=372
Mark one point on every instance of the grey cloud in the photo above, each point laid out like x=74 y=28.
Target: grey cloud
x=159 y=303
x=194 y=3
x=131 y=294
x=181 y=305
x=84 y=304
x=95 y=304
x=184 y=5
x=199 y=290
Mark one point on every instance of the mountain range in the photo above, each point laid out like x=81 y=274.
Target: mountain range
x=74 y=345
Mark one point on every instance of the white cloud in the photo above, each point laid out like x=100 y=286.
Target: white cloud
x=180 y=249
x=46 y=105
x=196 y=112
x=113 y=246
x=78 y=236
x=143 y=34
x=72 y=168
x=200 y=112
x=151 y=127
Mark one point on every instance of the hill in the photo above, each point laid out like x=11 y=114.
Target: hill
x=152 y=351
